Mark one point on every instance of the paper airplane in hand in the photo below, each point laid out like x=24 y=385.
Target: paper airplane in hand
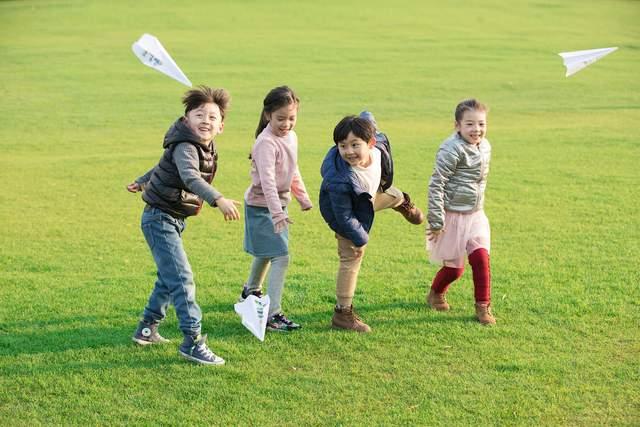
x=254 y=312
x=152 y=54
x=577 y=60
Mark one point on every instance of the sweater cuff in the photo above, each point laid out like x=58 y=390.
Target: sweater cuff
x=306 y=204
x=278 y=217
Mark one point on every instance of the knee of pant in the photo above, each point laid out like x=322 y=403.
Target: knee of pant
x=454 y=272
x=191 y=293
x=479 y=257
x=282 y=261
x=350 y=257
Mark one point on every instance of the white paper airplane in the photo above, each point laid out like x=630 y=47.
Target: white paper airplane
x=254 y=312
x=577 y=60
x=152 y=54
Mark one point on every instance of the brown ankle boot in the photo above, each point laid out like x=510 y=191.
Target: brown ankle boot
x=409 y=211
x=483 y=313
x=346 y=318
x=437 y=301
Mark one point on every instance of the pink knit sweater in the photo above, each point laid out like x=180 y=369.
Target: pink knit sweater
x=275 y=174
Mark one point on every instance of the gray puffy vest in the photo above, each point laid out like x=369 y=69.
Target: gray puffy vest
x=165 y=189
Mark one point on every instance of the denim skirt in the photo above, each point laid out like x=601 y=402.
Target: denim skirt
x=259 y=238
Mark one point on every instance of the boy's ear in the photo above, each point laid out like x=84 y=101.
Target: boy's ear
x=221 y=127
x=372 y=142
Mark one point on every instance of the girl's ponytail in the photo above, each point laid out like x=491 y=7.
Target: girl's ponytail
x=262 y=123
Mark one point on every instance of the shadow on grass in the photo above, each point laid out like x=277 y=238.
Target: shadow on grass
x=399 y=313
x=39 y=340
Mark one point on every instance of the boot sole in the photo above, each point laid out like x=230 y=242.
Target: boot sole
x=339 y=328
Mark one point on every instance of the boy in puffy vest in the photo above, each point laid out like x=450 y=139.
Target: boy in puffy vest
x=174 y=190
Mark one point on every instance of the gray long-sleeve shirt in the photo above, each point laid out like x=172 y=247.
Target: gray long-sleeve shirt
x=185 y=156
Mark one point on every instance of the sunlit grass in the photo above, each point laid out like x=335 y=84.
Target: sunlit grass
x=80 y=118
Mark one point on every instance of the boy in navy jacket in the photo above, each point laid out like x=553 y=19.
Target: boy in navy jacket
x=351 y=174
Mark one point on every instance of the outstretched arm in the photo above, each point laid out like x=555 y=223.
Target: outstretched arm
x=138 y=184
x=186 y=158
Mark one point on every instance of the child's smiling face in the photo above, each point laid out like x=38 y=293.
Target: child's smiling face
x=355 y=150
x=284 y=119
x=205 y=121
x=473 y=126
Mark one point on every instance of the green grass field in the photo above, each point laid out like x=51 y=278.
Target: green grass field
x=80 y=117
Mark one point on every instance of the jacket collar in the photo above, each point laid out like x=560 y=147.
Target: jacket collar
x=180 y=132
x=337 y=171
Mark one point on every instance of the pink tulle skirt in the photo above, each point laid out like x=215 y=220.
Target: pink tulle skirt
x=463 y=234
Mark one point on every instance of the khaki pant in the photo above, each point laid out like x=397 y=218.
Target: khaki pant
x=351 y=259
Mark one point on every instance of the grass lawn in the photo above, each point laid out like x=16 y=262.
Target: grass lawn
x=80 y=117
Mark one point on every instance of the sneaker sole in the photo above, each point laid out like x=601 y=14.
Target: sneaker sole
x=217 y=362
x=145 y=342
x=283 y=330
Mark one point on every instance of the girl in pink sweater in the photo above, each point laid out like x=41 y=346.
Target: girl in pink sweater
x=274 y=177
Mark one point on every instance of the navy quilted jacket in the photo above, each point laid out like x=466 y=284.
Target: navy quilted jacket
x=344 y=204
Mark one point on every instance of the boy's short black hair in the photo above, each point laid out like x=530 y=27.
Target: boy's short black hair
x=362 y=128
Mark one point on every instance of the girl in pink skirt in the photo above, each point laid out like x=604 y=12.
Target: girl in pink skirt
x=457 y=226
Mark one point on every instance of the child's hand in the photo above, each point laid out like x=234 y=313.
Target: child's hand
x=281 y=225
x=433 y=235
x=228 y=208
x=134 y=187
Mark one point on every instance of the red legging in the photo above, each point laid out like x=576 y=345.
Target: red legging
x=479 y=260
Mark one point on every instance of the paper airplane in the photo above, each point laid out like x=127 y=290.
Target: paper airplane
x=152 y=54
x=577 y=60
x=254 y=312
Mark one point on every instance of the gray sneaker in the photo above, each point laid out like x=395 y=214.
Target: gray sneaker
x=280 y=323
x=196 y=350
x=147 y=333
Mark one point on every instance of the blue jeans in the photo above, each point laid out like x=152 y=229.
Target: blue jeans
x=175 y=280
